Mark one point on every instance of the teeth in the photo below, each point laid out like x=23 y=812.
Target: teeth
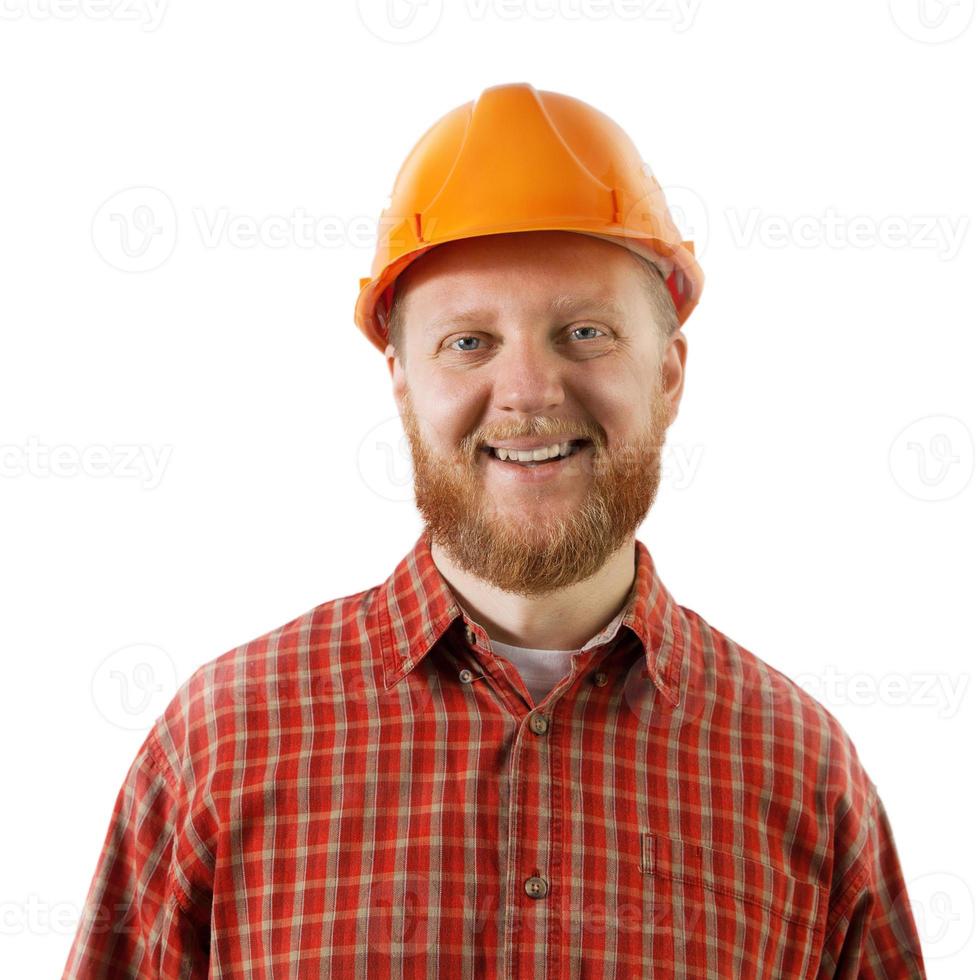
x=535 y=455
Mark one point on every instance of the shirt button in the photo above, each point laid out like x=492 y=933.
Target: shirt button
x=599 y=678
x=466 y=676
x=538 y=724
x=470 y=635
x=536 y=887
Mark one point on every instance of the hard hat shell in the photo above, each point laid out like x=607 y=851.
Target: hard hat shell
x=519 y=159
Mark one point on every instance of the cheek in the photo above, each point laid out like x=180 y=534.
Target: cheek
x=614 y=409
x=446 y=421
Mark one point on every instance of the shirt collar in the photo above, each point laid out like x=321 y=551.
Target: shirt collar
x=414 y=607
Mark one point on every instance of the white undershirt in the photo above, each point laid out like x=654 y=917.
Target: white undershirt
x=541 y=670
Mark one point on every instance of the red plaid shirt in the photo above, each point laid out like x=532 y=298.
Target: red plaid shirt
x=368 y=791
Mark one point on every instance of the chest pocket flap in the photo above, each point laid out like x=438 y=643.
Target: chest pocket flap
x=719 y=913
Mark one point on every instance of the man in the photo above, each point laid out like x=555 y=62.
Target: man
x=518 y=756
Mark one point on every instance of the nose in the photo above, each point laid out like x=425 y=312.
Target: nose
x=527 y=378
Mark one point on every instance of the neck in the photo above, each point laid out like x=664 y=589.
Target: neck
x=563 y=620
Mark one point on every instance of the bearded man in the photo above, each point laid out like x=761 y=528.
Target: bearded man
x=518 y=756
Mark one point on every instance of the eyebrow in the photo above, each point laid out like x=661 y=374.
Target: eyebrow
x=564 y=304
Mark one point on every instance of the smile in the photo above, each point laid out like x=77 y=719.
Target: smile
x=539 y=456
x=534 y=470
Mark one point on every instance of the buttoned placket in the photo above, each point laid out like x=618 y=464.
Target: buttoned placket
x=528 y=886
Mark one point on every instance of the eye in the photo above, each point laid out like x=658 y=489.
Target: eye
x=476 y=340
x=458 y=340
x=576 y=329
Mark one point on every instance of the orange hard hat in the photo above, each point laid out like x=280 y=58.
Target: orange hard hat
x=518 y=159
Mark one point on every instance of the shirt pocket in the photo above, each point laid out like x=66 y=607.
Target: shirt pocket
x=720 y=914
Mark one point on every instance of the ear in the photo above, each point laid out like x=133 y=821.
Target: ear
x=397 y=374
x=673 y=365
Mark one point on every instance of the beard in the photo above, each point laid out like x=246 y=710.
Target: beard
x=536 y=541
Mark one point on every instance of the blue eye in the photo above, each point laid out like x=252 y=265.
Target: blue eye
x=466 y=350
x=462 y=350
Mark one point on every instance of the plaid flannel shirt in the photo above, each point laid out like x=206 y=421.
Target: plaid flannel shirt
x=368 y=791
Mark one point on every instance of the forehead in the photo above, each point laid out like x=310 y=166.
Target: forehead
x=459 y=313
x=551 y=273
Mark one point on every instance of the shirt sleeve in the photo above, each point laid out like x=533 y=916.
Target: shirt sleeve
x=871 y=932
x=136 y=920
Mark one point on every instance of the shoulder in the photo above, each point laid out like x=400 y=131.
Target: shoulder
x=245 y=692
x=766 y=704
x=803 y=764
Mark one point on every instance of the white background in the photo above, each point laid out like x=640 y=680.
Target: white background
x=198 y=444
